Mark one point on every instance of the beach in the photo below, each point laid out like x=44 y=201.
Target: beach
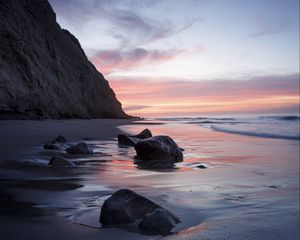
x=248 y=190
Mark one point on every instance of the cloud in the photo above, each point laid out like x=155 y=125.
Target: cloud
x=121 y=19
x=265 y=26
x=135 y=107
x=108 y=61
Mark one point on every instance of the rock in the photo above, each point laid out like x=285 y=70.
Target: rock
x=54 y=146
x=201 y=166
x=146 y=133
x=44 y=72
x=131 y=140
x=157 y=222
x=60 y=161
x=80 y=148
x=60 y=139
x=156 y=150
x=126 y=206
x=126 y=140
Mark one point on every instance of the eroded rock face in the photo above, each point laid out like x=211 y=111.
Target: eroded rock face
x=44 y=73
x=131 y=140
x=126 y=206
x=80 y=148
x=158 y=150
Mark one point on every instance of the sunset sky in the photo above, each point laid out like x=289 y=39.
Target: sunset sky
x=191 y=57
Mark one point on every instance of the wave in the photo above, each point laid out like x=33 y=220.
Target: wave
x=255 y=134
x=215 y=122
x=195 y=119
x=282 y=118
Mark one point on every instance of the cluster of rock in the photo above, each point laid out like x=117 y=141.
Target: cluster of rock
x=60 y=144
x=128 y=207
x=153 y=151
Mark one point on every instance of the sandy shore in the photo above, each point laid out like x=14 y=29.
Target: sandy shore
x=249 y=190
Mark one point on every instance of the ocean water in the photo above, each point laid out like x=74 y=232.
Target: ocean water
x=267 y=126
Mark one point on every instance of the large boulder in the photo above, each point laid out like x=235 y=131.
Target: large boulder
x=158 y=151
x=131 y=140
x=80 y=148
x=59 y=161
x=157 y=222
x=126 y=206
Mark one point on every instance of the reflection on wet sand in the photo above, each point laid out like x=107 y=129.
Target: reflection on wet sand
x=238 y=178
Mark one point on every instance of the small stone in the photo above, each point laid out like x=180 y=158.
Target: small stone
x=53 y=146
x=60 y=161
x=132 y=140
x=60 y=139
x=80 y=148
x=201 y=166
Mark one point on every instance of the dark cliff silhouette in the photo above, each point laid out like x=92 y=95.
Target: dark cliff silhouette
x=44 y=72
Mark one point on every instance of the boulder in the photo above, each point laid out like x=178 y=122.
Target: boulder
x=60 y=161
x=158 y=151
x=56 y=144
x=157 y=222
x=80 y=148
x=131 y=140
x=146 y=133
x=201 y=166
x=126 y=140
x=60 y=139
x=53 y=146
x=126 y=206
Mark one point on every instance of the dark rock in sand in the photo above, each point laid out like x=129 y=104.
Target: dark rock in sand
x=146 y=133
x=157 y=222
x=126 y=206
x=60 y=139
x=131 y=140
x=80 y=148
x=60 y=161
x=54 y=146
x=158 y=149
x=44 y=72
x=126 y=140
x=201 y=166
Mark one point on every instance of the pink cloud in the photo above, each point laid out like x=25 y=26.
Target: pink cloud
x=108 y=61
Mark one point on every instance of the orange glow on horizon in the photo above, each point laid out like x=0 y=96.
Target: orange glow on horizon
x=146 y=98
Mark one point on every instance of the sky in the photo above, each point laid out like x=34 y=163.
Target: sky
x=191 y=57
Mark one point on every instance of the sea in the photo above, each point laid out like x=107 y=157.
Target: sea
x=282 y=126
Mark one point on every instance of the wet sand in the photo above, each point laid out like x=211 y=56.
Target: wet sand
x=249 y=190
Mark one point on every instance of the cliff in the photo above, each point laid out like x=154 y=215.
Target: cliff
x=44 y=72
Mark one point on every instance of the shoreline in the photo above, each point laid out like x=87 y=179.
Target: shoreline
x=211 y=202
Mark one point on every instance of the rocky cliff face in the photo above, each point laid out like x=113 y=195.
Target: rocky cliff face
x=44 y=73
